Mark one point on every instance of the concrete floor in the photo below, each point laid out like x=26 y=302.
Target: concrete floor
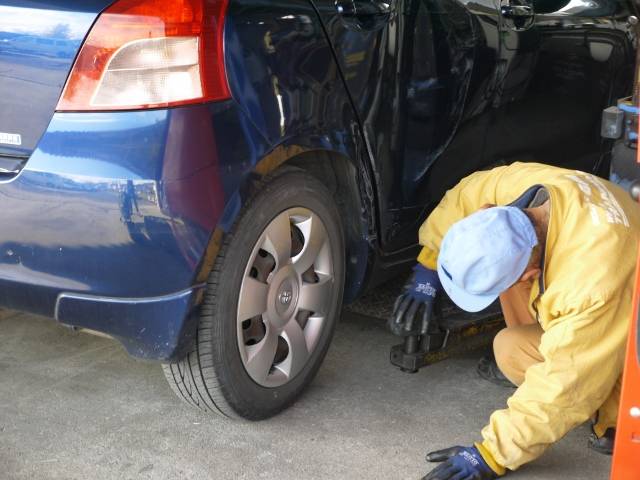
x=74 y=406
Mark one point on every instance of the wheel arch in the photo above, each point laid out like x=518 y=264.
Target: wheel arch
x=346 y=180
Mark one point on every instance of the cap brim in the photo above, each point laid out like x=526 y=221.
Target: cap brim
x=462 y=298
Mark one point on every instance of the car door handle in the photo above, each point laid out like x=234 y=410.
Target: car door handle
x=516 y=11
x=363 y=8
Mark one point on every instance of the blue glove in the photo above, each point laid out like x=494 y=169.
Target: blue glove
x=462 y=463
x=414 y=307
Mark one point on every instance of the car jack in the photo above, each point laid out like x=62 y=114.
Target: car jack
x=451 y=332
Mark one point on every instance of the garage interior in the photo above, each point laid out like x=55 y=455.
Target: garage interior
x=216 y=200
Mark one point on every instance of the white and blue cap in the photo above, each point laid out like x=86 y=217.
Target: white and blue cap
x=484 y=254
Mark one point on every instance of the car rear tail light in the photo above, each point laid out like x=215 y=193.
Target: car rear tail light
x=150 y=54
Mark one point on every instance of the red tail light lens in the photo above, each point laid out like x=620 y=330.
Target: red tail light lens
x=150 y=54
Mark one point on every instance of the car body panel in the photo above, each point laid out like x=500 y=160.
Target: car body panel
x=283 y=76
x=482 y=95
x=38 y=44
x=158 y=328
x=421 y=81
x=572 y=61
x=118 y=205
x=93 y=212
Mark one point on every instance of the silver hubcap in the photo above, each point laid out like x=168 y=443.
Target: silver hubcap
x=285 y=296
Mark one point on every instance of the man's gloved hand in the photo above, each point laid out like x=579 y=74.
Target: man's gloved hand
x=464 y=463
x=420 y=291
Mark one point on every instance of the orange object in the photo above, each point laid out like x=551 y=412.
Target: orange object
x=626 y=454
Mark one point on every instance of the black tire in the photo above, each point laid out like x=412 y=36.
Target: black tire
x=212 y=376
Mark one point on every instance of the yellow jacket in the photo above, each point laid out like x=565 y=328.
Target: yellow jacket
x=584 y=308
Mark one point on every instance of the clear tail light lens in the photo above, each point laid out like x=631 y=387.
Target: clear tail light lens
x=151 y=72
x=150 y=54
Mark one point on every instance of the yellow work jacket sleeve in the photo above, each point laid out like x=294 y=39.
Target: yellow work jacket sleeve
x=583 y=350
x=465 y=198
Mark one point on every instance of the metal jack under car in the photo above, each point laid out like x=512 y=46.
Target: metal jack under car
x=450 y=334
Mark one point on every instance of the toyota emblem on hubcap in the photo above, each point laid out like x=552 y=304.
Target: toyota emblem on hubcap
x=285 y=297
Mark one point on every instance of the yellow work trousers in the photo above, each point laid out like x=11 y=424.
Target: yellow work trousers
x=516 y=349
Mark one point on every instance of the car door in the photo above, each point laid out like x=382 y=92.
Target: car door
x=421 y=74
x=562 y=63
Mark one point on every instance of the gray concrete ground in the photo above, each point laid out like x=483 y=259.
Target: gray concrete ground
x=74 y=406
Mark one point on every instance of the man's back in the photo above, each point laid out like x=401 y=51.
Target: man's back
x=582 y=302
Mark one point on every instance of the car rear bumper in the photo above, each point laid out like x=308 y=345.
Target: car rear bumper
x=108 y=224
x=159 y=328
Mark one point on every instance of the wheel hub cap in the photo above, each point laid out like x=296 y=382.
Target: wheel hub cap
x=285 y=296
x=283 y=300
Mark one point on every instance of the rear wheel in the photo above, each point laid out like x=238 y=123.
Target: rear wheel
x=271 y=305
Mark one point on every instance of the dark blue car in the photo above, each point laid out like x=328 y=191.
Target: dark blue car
x=204 y=180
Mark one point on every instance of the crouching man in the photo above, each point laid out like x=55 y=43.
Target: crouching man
x=558 y=249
